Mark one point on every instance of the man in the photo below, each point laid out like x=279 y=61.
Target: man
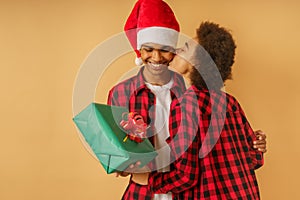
x=153 y=32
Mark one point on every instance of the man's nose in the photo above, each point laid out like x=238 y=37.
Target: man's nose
x=156 y=55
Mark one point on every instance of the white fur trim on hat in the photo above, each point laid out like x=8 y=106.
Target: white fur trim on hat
x=139 y=61
x=158 y=35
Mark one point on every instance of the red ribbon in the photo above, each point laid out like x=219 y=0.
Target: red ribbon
x=134 y=126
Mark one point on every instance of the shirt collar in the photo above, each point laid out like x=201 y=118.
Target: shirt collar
x=141 y=82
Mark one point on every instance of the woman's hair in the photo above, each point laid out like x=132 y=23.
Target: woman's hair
x=220 y=47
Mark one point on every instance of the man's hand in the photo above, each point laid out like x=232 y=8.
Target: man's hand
x=260 y=143
x=133 y=168
x=123 y=174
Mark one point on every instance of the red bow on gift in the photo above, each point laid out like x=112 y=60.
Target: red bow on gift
x=134 y=125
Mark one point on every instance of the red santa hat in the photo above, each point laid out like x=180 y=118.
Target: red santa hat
x=151 y=21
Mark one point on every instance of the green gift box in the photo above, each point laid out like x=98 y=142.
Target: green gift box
x=99 y=126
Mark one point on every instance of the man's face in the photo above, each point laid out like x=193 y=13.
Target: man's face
x=156 y=57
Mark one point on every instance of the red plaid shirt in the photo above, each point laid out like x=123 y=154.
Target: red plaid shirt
x=137 y=97
x=209 y=164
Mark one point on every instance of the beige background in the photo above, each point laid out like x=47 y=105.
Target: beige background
x=43 y=44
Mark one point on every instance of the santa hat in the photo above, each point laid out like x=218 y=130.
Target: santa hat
x=151 y=21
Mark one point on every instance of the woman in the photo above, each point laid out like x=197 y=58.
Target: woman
x=210 y=137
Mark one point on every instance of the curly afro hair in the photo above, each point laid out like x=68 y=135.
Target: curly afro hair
x=219 y=44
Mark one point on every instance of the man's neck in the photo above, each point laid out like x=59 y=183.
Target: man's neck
x=159 y=80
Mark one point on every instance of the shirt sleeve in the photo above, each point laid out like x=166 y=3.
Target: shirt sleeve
x=184 y=145
x=111 y=100
x=118 y=95
x=256 y=156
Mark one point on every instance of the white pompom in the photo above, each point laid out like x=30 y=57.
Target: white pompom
x=139 y=61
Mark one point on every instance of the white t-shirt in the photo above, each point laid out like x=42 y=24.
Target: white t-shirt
x=163 y=102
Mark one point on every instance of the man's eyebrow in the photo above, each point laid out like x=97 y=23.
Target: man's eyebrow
x=166 y=47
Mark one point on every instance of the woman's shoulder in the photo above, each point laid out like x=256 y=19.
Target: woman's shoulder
x=207 y=100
